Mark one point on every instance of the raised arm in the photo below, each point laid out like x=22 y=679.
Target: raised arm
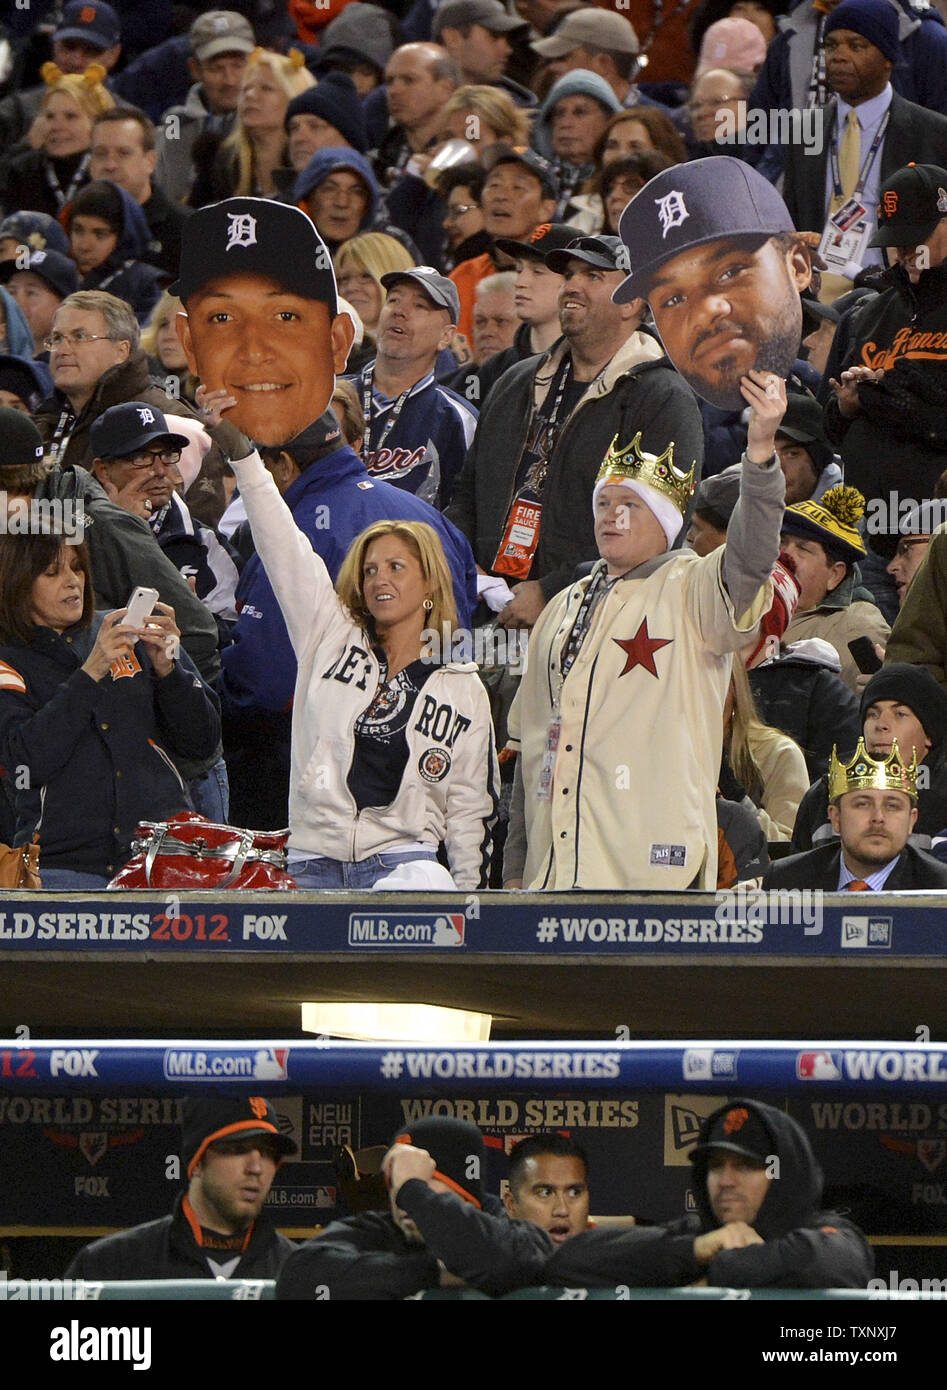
x=300 y=580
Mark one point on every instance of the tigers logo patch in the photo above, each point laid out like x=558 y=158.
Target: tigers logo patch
x=434 y=765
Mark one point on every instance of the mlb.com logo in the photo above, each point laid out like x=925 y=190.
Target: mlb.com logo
x=819 y=1066
x=437 y=929
x=867 y=933
x=250 y=1064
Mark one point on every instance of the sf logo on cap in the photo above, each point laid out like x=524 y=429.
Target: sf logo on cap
x=890 y=203
x=241 y=231
x=735 y=1120
x=258 y=1106
x=671 y=210
x=145 y=415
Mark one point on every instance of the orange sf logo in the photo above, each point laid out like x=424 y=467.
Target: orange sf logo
x=87 y=14
x=258 y=1106
x=890 y=204
x=735 y=1120
x=539 y=232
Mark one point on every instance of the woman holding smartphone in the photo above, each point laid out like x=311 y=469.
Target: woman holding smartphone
x=88 y=708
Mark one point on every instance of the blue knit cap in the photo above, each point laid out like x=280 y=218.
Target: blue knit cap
x=580 y=82
x=875 y=20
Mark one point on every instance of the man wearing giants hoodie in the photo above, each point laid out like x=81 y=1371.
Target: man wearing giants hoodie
x=758 y=1189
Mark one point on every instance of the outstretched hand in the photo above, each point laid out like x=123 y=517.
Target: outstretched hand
x=765 y=393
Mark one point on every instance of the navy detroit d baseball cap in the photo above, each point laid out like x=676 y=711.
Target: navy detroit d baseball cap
x=253 y=236
x=123 y=429
x=689 y=205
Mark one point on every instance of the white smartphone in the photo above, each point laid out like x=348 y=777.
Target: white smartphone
x=140 y=607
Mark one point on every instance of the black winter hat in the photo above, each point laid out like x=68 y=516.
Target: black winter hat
x=457 y=1149
x=912 y=686
x=335 y=98
x=229 y=1117
x=20 y=442
x=28 y=380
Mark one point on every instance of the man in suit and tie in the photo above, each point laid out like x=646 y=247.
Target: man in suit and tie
x=870 y=132
x=872 y=807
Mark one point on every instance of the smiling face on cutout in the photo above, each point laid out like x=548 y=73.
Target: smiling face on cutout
x=275 y=351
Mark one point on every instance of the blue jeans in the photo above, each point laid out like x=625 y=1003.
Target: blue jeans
x=70 y=878
x=342 y=873
x=210 y=793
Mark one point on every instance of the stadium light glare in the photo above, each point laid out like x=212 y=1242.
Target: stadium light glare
x=379 y=1022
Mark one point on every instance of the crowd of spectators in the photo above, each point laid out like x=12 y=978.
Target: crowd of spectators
x=466 y=166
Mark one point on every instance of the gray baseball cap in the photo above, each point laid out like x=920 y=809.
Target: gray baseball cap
x=601 y=28
x=690 y=205
x=490 y=14
x=220 y=31
x=441 y=290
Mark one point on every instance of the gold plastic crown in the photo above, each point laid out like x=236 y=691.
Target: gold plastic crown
x=632 y=463
x=865 y=773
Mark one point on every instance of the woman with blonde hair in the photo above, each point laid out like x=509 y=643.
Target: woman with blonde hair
x=246 y=161
x=483 y=116
x=360 y=263
x=166 y=358
x=768 y=764
x=392 y=742
x=47 y=178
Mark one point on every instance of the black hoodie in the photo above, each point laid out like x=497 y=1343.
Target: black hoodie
x=803 y=1247
x=898 y=442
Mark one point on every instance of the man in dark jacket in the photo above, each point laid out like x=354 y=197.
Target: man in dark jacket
x=906 y=703
x=890 y=403
x=536 y=299
x=873 y=809
x=232 y=1149
x=758 y=1224
x=442 y=1230
x=123 y=150
x=523 y=497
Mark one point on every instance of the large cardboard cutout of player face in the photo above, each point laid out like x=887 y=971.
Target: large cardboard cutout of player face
x=261 y=319
x=712 y=248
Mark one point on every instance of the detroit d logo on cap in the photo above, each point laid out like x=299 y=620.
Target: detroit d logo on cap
x=241 y=230
x=671 y=210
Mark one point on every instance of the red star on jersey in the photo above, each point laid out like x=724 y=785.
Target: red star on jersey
x=640 y=649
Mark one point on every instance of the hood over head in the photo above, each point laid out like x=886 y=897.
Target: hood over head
x=793 y=1196
x=326 y=162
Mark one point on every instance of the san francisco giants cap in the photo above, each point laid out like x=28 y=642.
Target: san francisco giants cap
x=257 y=237
x=690 y=205
x=209 y=1121
x=911 y=204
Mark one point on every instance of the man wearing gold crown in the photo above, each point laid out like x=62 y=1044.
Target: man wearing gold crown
x=619 y=715
x=872 y=807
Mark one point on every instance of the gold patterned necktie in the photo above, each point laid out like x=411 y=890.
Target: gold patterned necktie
x=849 y=158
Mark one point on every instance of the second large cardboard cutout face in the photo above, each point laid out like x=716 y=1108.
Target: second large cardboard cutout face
x=712 y=248
x=261 y=318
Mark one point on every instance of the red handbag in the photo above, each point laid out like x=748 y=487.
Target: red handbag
x=188 y=851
